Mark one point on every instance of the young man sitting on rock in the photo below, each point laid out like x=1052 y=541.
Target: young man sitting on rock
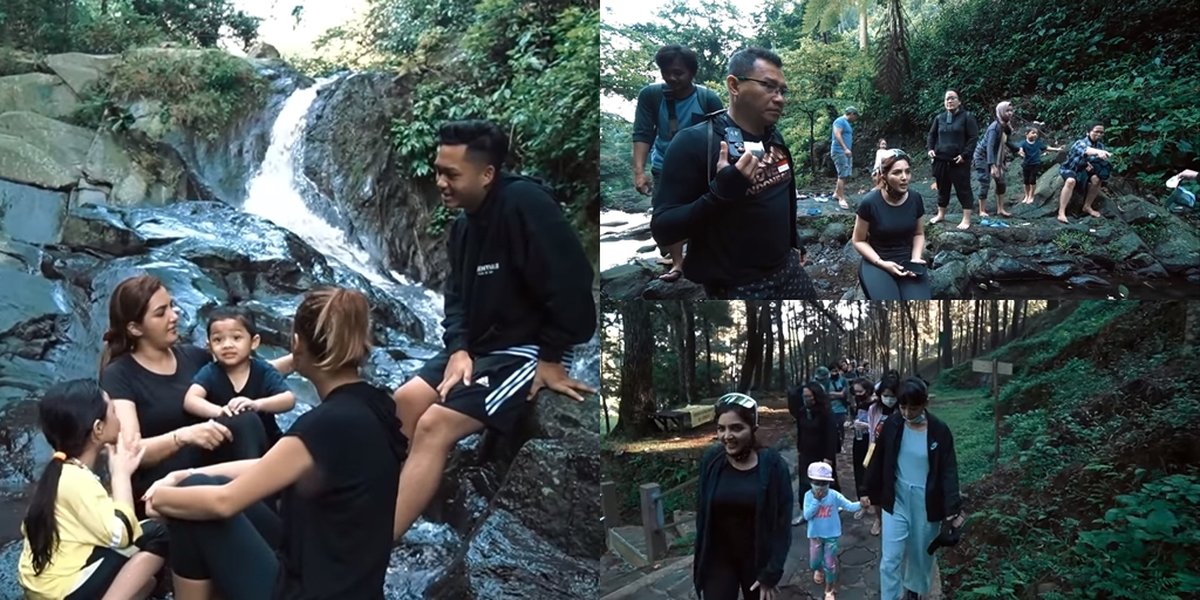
x=518 y=298
x=1078 y=170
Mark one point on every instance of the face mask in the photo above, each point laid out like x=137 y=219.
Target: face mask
x=889 y=401
x=917 y=420
x=817 y=489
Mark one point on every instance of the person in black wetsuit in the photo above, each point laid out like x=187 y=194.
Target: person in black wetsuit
x=737 y=209
x=952 y=139
x=890 y=235
x=336 y=468
x=743 y=510
x=518 y=298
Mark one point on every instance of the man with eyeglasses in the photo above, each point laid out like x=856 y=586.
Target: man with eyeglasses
x=727 y=186
x=1078 y=170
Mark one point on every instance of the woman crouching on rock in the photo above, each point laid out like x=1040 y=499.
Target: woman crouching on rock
x=338 y=468
x=743 y=524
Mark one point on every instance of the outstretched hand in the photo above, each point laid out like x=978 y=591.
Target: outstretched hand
x=554 y=376
x=765 y=592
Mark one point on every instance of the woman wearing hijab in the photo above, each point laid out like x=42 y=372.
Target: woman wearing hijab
x=953 y=134
x=991 y=158
x=745 y=505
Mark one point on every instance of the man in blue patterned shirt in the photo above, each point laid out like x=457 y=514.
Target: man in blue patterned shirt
x=1077 y=170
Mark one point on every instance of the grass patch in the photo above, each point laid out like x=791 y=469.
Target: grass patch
x=1075 y=242
x=973 y=430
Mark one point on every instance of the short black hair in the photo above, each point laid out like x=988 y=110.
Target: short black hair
x=667 y=55
x=225 y=313
x=1094 y=124
x=742 y=61
x=481 y=137
x=912 y=392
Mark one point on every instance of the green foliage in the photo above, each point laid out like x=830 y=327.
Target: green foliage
x=1152 y=232
x=1072 y=241
x=616 y=164
x=201 y=90
x=114 y=26
x=442 y=217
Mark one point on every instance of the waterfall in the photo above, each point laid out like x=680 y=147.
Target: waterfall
x=275 y=193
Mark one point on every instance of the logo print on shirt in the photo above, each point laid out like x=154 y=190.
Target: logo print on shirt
x=487 y=269
x=773 y=169
x=483 y=381
x=824 y=511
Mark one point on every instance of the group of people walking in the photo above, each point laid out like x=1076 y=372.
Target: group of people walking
x=905 y=477
x=723 y=185
x=200 y=475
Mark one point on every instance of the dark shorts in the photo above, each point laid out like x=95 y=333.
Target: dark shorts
x=1030 y=173
x=104 y=564
x=500 y=383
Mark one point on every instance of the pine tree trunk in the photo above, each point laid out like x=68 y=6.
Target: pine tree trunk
x=637 y=375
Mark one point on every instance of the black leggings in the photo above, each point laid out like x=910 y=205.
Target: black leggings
x=880 y=285
x=101 y=579
x=947 y=174
x=249 y=441
x=237 y=554
x=725 y=576
x=860 y=472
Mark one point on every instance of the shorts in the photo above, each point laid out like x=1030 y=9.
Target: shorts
x=500 y=383
x=1030 y=173
x=842 y=164
x=984 y=176
x=99 y=572
x=1082 y=179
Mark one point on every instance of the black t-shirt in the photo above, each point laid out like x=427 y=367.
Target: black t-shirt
x=734 y=241
x=338 y=518
x=158 y=398
x=264 y=381
x=890 y=228
x=734 y=505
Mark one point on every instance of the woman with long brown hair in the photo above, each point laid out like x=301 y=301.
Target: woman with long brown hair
x=338 y=469
x=147 y=372
x=890 y=235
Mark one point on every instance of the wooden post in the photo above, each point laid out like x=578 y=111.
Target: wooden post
x=996 y=408
x=609 y=504
x=652 y=521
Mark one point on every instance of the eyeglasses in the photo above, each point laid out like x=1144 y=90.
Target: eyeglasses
x=769 y=87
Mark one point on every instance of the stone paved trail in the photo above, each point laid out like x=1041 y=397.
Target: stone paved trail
x=858 y=556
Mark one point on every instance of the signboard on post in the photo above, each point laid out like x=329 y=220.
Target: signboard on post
x=996 y=368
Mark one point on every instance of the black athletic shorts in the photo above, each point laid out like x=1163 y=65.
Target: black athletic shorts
x=1030 y=173
x=500 y=383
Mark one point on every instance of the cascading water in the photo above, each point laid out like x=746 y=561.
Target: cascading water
x=275 y=193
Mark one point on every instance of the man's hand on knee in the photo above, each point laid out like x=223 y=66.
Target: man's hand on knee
x=458 y=369
x=554 y=376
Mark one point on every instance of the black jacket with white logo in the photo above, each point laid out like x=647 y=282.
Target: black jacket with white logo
x=518 y=275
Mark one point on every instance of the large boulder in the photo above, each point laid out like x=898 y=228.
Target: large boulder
x=349 y=156
x=24 y=162
x=38 y=92
x=81 y=71
x=31 y=214
x=66 y=144
x=263 y=51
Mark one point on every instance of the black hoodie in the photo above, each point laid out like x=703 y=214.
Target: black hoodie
x=518 y=275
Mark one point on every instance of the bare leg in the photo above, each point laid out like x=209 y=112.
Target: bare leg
x=983 y=207
x=840 y=193
x=966 y=220
x=941 y=215
x=675 y=251
x=1065 y=198
x=136 y=578
x=412 y=400
x=1092 y=192
x=1028 y=199
x=192 y=589
x=1000 y=206
x=438 y=430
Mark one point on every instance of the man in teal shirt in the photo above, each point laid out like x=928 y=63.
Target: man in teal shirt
x=662 y=110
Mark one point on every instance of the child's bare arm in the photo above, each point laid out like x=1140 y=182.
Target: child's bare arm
x=195 y=403
x=279 y=403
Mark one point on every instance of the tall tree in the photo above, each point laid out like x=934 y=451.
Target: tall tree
x=637 y=372
x=777 y=313
x=824 y=15
x=768 y=329
x=994 y=324
x=946 y=337
x=893 y=62
x=751 y=363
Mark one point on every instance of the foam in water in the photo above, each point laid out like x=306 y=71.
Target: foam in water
x=274 y=193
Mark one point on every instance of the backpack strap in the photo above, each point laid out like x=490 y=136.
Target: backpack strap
x=672 y=118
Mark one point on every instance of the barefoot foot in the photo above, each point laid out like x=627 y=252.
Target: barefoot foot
x=964 y=224
x=1004 y=213
x=1062 y=219
x=1092 y=211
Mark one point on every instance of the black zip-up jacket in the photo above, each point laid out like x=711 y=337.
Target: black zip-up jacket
x=518 y=275
x=956 y=138
x=733 y=240
x=941 y=486
x=816 y=435
x=773 y=515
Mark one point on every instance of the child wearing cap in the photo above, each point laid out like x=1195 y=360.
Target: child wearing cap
x=821 y=510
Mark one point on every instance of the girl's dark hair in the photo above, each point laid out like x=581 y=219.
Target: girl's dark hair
x=866 y=385
x=66 y=415
x=886 y=165
x=335 y=324
x=128 y=304
x=820 y=400
x=912 y=393
x=226 y=313
x=890 y=381
x=743 y=413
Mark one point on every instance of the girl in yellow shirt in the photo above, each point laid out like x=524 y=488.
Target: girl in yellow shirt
x=78 y=537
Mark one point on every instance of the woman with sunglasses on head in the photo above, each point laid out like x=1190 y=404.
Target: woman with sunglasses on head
x=744 y=510
x=913 y=476
x=889 y=233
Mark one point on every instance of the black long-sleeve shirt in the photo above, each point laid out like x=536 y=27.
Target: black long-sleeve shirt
x=732 y=240
x=518 y=275
x=816 y=434
x=956 y=138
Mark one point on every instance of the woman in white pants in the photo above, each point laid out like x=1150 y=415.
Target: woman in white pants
x=913 y=475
